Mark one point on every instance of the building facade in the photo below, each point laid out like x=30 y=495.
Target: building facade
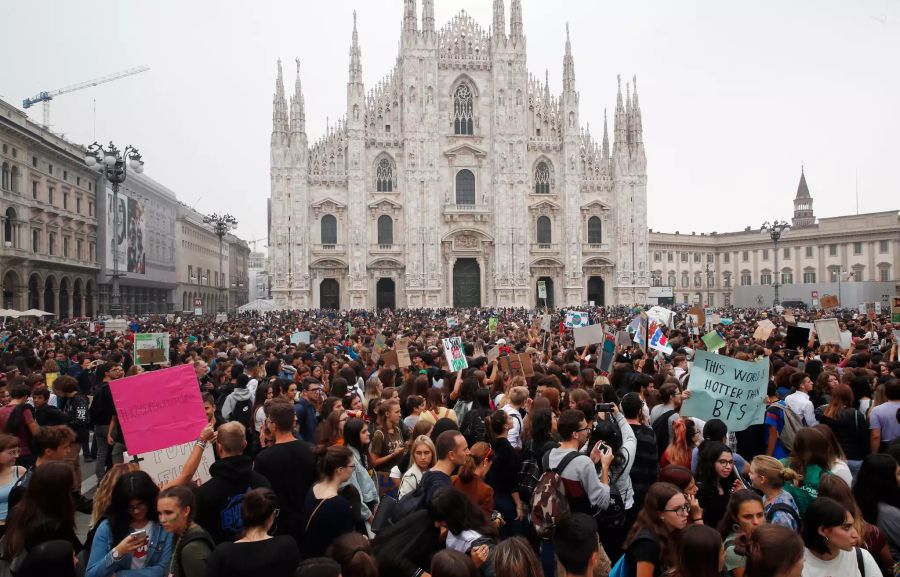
x=258 y=277
x=48 y=206
x=457 y=180
x=145 y=243
x=855 y=258
x=201 y=284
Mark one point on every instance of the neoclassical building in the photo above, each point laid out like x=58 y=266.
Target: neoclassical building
x=855 y=257
x=459 y=179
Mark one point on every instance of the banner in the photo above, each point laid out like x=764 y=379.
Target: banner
x=159 y=409
x=151 y=348
x=713 y=341
x=727 y=389
x=576 y=319
x=166 y=464
x=128 y=240
x=542 y=289
x=455 y=354
x=588 y=335
x=662 y=316
x=659 y=342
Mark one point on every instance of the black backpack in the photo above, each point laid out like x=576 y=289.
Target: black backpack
x=473 y=428
x=242 y=413
x=613 y=517
x=661 y=430
x=529 y=473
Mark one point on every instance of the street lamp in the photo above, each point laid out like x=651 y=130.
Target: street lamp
x=113 y=165
x=220 y=224
x=775 y=229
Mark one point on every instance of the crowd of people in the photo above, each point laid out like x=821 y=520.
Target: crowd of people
x=337 y=456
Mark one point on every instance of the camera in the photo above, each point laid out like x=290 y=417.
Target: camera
x=603 y=407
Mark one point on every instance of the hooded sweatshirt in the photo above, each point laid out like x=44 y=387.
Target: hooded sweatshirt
x=237 y=395
x=219 y=499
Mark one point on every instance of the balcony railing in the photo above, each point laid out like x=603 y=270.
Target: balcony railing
x=467 y=208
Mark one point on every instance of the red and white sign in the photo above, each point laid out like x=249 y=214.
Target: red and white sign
x=198 y=303
x=815 y=294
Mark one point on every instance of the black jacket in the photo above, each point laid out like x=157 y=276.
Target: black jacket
x=219 y=499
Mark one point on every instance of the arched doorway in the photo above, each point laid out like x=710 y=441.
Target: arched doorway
x=89 y=299
x=466 y=283
x=330 y=294
x=34 y=297
x=76 y=298
x=64 y=299
x=49 y=296
x=385 y=293
x=548 y=283
x=9 y=290
x=596 y=290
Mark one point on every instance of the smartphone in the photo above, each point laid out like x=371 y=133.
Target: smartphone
x=139 y=534
x=801 y=366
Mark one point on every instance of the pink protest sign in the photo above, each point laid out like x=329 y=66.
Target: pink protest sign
x=159 y=409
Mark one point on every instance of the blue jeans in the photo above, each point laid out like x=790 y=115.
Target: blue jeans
x=507 y=507
x=548 y=558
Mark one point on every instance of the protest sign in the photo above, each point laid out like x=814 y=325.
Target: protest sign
x=295 y=338
x=304 y=337
x=588 y=335
x=378 y=347
x=896 y=333
x=829 y=332
x=764 y=328
x=726 y=321
x=492 y=325
x=797 y=337
x=640 y=337
x=789 y=319
x=606 y=355
x=623 y=339
x=454 y=353
x=846 y=340
x=661 y=315
x=576 y=319
x=390 y=359
x=895 y=309
x=159 y=409
x=527 y=364
x=452 y=322
x=542 y=289
x=545 y=323
x=713 y=341
x=714 y=318
x=402 y=350
x=151 y=348
x=166 y=464
x=727 y=389
x=493 y=354
x=700 y=314
x=829 y=301
x=659 y=342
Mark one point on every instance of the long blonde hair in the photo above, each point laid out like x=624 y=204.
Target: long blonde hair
x=103 y=496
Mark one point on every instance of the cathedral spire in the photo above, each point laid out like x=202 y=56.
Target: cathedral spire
x=620 y=136
x=355 y=54
x=279 y=105
x=515 y=19
x=410 y=23
x=427 y=15
x=546 y=85
x=499 y=19
x=298 y=107
x=568 y=66
x=605 y=137
x=637 y=125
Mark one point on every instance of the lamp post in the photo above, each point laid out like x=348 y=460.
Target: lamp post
x=775 y=229
x=113 y=165
x=220 y=224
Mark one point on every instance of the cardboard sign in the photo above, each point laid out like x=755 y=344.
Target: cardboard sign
x=159 y=409
x=700 y=314
x=829 y=331
x=797 y=337
x=455 y=354
x=402 y=350
x=895 y=309
x=789 y=319
x=607 y=354
x=623 y=339
x=151 y=348
x=517 y=365
x=390 y=359
x=527 y=364
x=713 y=341
x=764 y=328
x=829 y=301
x=166 y=464
x=727 y=389
x=588 y=335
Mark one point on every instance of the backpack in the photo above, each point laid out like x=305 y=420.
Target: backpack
x=661 y=430
x=792 y=423
x=241 y=413
x=473 y=428
x=410 y=503
x=613 y=517
x=529 y=474
x=620 y=569
x=783 y=508
x=549 y=503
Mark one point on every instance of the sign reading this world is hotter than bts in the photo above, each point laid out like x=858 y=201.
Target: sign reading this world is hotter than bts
x=728 y=389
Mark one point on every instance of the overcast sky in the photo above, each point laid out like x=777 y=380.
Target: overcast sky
x=734 y=97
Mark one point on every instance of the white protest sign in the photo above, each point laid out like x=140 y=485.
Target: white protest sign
x=727 y=389
x=453 y=351
x=545 y=323
x=661 y=315
x=576 y=319
x=165 y=465
x=829 y=332
x=588 y=335
x=846 y=340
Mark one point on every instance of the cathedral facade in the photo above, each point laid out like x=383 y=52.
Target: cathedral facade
x=458 y=180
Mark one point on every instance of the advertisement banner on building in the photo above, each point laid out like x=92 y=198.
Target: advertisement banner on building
x=126 y=240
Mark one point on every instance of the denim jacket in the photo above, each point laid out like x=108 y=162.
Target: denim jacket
x=101 y=563
x=360 y=479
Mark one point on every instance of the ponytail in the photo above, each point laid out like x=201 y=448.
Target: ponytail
x=495 y=423
x=477 y=454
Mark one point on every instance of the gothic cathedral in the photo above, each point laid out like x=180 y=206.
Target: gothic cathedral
x=457 y=180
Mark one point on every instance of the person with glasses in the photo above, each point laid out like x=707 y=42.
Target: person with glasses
x=129 y=539
x=328 y=514
x=307 y=408
x=257 y=552
x=717 y=480
x=651 y=545
x=831 y=540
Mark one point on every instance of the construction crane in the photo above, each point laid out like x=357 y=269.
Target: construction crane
x=255 y=241
x=46 y=97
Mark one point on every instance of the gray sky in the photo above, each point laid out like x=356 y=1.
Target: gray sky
x=734 y=97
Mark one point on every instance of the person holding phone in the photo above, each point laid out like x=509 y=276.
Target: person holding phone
x=128 y=538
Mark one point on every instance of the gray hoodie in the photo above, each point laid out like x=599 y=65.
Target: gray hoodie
x=237 y=395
